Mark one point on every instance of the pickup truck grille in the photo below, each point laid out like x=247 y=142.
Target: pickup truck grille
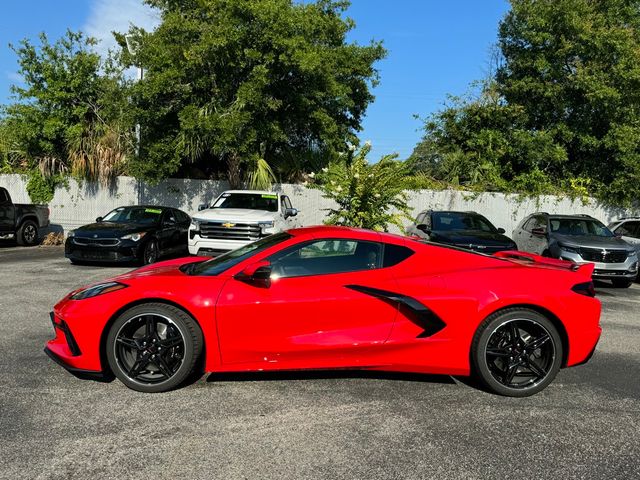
x=99 y=242
x=597 y=255
x=239 y=231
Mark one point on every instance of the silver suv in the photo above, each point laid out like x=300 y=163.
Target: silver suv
x=580 y=239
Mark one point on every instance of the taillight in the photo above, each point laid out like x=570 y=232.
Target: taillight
x=586 y=288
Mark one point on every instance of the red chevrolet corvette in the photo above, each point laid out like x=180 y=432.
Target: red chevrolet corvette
x=334 y=297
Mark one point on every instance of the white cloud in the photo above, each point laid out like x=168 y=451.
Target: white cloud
x=107 y=16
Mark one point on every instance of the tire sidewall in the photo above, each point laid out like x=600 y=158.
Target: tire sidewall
x=478 y=355
x=21 y=238
x=189 y=348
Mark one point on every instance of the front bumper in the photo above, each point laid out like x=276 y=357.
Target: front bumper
x=64 y=350
x=124 y=251
x=606 y=271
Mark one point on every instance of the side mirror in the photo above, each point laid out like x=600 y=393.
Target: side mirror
x=290 y=212
x=423 y=227
x=202 y=206
x=169 y=221
x=99 y=219
x=257 y=274
x=540 y=232
x=501 y=230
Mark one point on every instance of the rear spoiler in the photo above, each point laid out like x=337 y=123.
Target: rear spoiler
x=585 y=269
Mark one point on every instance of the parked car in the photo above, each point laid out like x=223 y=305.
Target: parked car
x=468 y=230
x=335 y=297
x=580 y=239
x=239 y=217
x=629 y=230
x=21 y=221
x=130 y=234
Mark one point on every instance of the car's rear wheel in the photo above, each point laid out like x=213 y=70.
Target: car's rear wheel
x=516 y=352
x=28 y=233
x=153 y=347
x=621 y=282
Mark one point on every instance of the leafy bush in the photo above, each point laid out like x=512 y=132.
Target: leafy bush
x=368 y=195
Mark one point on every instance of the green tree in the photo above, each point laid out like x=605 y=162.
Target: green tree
x=367 y=195
x=69 y=114
x=562 y=110
x=238 y=88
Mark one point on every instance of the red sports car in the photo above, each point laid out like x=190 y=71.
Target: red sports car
x=335 y=297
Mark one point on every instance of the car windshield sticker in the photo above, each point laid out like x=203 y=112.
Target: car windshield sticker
x=152 y=210
x=269 y=195
x=219 y=202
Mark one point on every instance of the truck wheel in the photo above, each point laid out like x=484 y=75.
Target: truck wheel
x=28 y=233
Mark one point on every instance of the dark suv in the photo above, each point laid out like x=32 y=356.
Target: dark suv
x=580 y=239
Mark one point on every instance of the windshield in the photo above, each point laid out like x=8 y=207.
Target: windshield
x=140 y=215
x=444 y=221
x=579 y=226
x=220 y=264
x=250 y=201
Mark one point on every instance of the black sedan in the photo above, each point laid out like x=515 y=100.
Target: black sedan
x=130 y=234
x=468 y=230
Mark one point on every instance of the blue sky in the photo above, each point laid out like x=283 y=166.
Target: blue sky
x=436 y=47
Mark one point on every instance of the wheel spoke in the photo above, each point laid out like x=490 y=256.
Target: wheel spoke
x=171 y=342
x=538 y=342
x=498 y=352
x=141 y=362
x=128 y=342
x=539 y=372
x=150 y=328
x=515 y=333
x=163 y=366
x=510 y=373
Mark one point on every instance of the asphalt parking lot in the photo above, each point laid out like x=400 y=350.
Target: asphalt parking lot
x=320 y=425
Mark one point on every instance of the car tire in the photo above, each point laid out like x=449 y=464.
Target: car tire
x=516 y=352
x=154 y=347
x=150 y=252
x=621 y=282
x=27 y=234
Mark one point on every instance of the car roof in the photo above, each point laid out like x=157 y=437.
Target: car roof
x=262 y=192
x=467 y=212
x=145 y=206
x=576 y=216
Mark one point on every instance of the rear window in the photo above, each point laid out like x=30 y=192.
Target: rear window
x=394 y=254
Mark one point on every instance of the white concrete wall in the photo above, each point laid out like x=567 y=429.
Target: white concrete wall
x=82 y=203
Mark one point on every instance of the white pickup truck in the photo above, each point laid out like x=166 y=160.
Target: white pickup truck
x=238 y=217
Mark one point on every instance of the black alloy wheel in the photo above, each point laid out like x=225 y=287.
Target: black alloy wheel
x=28 y=233
x=150 y=253
x=153 y=347
x=517 y=352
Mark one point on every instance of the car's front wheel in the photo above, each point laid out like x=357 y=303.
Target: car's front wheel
x=516 y=352
x=150 y=254
x=153 y=347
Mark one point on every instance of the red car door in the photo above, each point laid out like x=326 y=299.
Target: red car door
x=310 y=315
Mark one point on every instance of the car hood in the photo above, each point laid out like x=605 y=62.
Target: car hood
x=592 y=241
x=235 y=214
x=466 y=237
x=111 y=229
x=166 y=268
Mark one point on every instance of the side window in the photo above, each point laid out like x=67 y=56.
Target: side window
x=4 y=198
x=322 y=257
x=182 y=217
x=536 y=222
x=394 y=254
x=169 y=217
x=629 y=229
x=420 y=218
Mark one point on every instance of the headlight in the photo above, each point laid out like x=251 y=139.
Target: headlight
x=134 y=236
x=96 y=290
x=71 y=233
x=195 y=224
x=569 y=249
x=266 y=224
